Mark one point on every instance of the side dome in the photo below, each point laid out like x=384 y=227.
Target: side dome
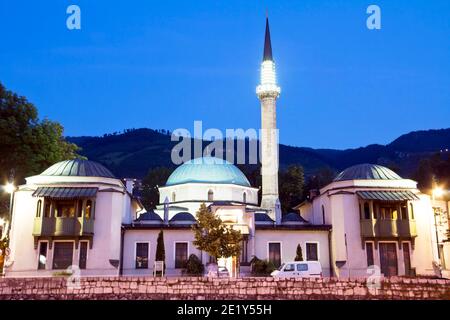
x=367 y=172
x=78 y=168
x=208 y=170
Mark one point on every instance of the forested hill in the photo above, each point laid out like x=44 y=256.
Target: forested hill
x=133 y=152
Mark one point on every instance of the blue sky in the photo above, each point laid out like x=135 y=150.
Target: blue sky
x=164 y=64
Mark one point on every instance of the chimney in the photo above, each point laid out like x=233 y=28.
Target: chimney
x=166 y=211
x=129 y=185
x=277 y=212
x=313 y=193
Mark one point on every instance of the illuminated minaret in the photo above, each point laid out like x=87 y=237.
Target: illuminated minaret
x=268 y=92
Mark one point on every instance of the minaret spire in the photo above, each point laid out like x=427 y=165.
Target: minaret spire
x=267 y=43
x=268 y=92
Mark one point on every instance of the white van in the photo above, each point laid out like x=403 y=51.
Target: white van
x=299 y=269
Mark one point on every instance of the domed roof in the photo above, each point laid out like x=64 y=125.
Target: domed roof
x=208 y=170
x=149 y=216
x=293 y=217
x=183 y=216
x=78 y=168
x=367 y=172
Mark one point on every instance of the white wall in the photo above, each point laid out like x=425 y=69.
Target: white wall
x=289 y=240
x=151 y=235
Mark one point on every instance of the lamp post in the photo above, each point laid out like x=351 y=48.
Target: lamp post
x=9 y=188
x=437 y=192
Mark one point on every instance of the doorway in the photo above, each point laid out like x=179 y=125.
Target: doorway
x=388 y=259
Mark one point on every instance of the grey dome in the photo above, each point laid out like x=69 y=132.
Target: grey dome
x=149 y=216
x=293 y=217
x=78 y=168
x=183 y=216
x=367 y=172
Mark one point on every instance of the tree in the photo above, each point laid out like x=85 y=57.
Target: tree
x=299 y=253
x=319 y=179
x=291 y=184
x=27 y=145
x=155 y=177
x=214 y=237
x=160 y=250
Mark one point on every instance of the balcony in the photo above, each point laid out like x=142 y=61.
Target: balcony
x=62 y=227
x=389 y=228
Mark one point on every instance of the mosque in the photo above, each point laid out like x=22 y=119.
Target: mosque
x=77 y=213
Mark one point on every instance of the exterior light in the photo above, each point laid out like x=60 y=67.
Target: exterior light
x=438 y=192
x=10 y=187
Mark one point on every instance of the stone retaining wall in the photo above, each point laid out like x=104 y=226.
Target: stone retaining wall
x=213 y=288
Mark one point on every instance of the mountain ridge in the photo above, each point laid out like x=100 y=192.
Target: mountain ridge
x=134 y=151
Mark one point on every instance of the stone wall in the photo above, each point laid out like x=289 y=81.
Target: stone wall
x=213 y=288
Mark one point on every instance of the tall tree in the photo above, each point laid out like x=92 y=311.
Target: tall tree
x=155 y=177
x=214 y=237
x=160 y=250
x=291 y=184
x=299 y=253
x=28 y=145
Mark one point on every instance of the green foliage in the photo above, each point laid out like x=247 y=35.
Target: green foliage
x=261 y=268
x=27 y=145
x=214 y=237
x=434 y=170
x=194 y=266
x=319 y=179
x=299 y=253
x=160 y=250
x=291 y=184
x=155 y=177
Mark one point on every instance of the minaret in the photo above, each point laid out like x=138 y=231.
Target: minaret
x=268 y=92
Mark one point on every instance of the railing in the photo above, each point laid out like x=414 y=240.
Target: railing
x=388 y=228
x=55 y=226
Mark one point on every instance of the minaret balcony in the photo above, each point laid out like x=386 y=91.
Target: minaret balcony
x=268 y=90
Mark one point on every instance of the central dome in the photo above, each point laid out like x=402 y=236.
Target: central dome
x=367 y=172
x=208 y=170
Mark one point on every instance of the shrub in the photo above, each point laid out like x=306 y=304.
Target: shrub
x=193 y=266
x=261 y=268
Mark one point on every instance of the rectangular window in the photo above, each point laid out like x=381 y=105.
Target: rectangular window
x=275 y=253
x=47 y=208
x=142 y=255
x=65 y=209
x=244 y=250
x=404 y=212
x=62 y=255
x=302 y=267
x=181 y=254
x=83 y=254
x=80 y=208
x=42 y=262
x=369 y=253
x=311 y=252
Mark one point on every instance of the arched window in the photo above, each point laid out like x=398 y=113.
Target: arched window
x=38 y=208
x=210 y=195
x=323 y=214
x=89 y=209
x=244 y=197
x=366 y=210
x=411 y=211
x=174 y=197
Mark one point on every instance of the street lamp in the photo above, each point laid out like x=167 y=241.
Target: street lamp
x=437 y=192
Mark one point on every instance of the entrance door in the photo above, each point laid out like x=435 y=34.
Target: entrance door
x=388 y=259
x=407 y=258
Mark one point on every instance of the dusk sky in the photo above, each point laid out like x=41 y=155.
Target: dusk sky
x=164 y=64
